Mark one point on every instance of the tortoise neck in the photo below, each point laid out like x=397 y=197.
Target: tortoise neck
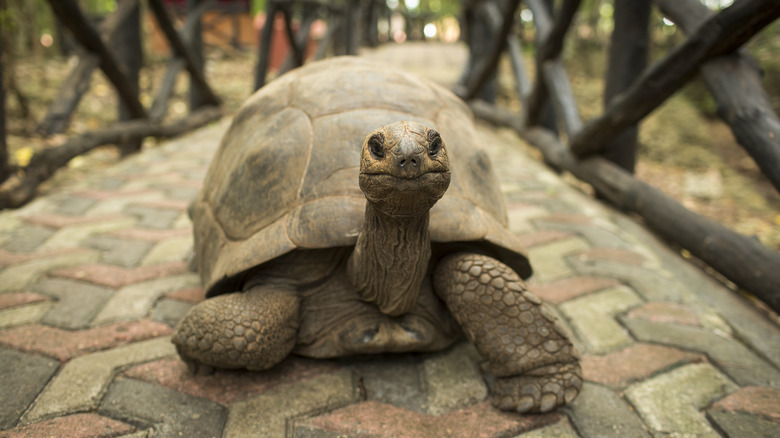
x=390 y=260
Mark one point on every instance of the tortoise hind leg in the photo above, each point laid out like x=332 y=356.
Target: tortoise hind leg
x=254 y=329
x=536 y=366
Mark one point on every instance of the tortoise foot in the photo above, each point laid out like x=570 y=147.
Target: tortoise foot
x=197 y=368
x=540 y=390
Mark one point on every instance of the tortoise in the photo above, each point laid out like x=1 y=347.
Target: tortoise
x=349 y=210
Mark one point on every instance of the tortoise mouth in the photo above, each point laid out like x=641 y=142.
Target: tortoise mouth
x=401 y=196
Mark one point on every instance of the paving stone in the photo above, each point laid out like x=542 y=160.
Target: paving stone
x=593 y=318
x=170 y=311
x=73 y=426
x=549 y=260
x=535 y=238
x=601 y=412
x=72 y=236
x=754 y=400
x=119 y=201
x=116 y=276
x=269 y=413
x=121 y=252
x=229 y=386
x=14 y=278
x=8 y=258
x=683 y=314
x=9 y=300
x=191 y=295
x=453 y=379
x=149 y=234
x=170 y=413
x=650 y=284
x=172 y=250
x=634 y=363
x=59 y=221
x=601 y=234
x=670 y=403
x=74 y=205
x=520 y=215
x=734 y=358
x=376 y=419
x=21 y=315
x=27 y=238
x=66 y=344
x=560 y=429
x=160 y=218
x=392 y=379
x=135 y=301
x=82 y=381
x=738 y=425
x=22 y=377
x=169 y=204
x=77 y=302
x=616 y=255
x=565 y=289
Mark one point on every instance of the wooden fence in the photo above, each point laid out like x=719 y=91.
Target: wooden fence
x=121 y=64
x=602 y=151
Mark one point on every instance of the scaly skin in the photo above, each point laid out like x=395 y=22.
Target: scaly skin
x=255 y=329
x=536 y=366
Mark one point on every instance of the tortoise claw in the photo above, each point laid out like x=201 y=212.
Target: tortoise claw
x=540 y=390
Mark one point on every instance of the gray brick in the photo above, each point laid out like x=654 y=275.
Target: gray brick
x=561 y=429
x=150 y=217
x=453 y=380
x=734 y=358
x=596 y=235
x=670 y=403
x=600 y=412
x=77 y=302
x=27 y=238
x=74 y=205
x=22 y=377
x=740 y=424
x=168 y=412
x=121 y=252
x=392 y=379
x=170 y=311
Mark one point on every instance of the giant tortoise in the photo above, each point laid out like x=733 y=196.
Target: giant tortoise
x=325 y=228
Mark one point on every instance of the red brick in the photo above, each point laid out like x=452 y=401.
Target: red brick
x=117 y=276
x=60 y=221
x=19 y=299
x=541 y=237
x=382 y=420
x=228 y=386
x=634 y=363
x=755 y=400
x=192 y=295
x=663 y=311
x=149 y=234
x=73 y=426
x=65 y=344
x=568 y=288
x=617 y=255
x=12 y=258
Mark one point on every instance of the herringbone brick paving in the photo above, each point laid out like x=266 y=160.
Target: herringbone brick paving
x=92 y=278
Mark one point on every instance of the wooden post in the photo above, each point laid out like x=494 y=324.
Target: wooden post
x=296 y=50
x=628 y=54
x=350 y=14
x=264 y=50
x=193 y=37
x=71 y=16
x=722 y=34
x=735 y=82
x=127 y=42
x=182 y=51
x=4 y=164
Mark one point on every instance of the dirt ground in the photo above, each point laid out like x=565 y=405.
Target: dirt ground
x=690 y=157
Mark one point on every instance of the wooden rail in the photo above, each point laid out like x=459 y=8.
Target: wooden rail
x=713 y=50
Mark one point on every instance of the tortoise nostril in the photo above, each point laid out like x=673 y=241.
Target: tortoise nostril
x=414 y=162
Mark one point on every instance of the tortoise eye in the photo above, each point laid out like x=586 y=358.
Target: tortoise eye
x=435 y=143
x=376 y=146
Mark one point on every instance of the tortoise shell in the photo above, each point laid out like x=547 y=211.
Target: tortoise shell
x=285 y=176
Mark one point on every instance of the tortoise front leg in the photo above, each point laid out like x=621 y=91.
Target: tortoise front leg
x=536 y=365
x=254 y=329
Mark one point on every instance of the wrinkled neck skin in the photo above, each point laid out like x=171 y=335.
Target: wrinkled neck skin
x=390 y=260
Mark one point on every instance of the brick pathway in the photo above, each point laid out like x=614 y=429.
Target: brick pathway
x=93 y=277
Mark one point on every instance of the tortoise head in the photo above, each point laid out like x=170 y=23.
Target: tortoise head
x=404 y=168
